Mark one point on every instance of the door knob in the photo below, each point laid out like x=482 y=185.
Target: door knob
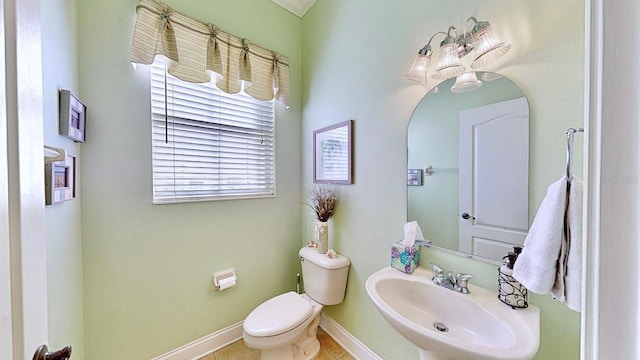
x=42 y=353
x=467 y=216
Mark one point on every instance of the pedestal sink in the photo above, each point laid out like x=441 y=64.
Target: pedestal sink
x=448 y=325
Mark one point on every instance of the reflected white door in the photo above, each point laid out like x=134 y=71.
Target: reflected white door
x=494 y=178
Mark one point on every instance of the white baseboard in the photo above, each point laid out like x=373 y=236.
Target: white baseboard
x=348 y=342
x=221 y=338
x=205 y=345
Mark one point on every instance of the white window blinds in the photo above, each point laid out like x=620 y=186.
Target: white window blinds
x=208 y=144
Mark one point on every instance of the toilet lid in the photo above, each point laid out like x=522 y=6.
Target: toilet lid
x=278 y=315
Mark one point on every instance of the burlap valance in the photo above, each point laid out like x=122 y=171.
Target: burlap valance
x=196 y=47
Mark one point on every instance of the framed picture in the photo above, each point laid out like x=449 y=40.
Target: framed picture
x=72 y=115
x=332 y=154
x=60 y=180
x=414 y=177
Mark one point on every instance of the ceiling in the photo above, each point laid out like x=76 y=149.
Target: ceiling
x=298 y=7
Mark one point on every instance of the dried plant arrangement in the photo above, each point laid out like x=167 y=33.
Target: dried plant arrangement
x=323 y=200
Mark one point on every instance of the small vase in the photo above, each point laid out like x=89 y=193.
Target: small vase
x=322 y=236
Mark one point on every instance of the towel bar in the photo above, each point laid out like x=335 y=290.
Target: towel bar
x=570 y=132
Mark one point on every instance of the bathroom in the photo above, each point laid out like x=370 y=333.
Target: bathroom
x=127 y=279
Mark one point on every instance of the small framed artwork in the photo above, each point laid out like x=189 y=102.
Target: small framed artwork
x=73 y=117
x=60 y=180
x=414 y=177
x=332 y=154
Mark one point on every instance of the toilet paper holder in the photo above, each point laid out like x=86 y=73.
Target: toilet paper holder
x=225 y=279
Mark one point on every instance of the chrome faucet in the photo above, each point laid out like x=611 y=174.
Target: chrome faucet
x=459 y=283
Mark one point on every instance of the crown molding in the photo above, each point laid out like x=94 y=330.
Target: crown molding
x=297 y=7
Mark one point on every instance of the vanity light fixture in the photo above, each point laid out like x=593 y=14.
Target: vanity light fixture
x=449 y=64
x=418 y=70
x=467 y=81
x=482 y=40
x=490 y=76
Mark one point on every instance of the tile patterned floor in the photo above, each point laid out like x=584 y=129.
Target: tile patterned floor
x=329 y=350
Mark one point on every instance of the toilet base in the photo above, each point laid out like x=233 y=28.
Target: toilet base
x=305 y=347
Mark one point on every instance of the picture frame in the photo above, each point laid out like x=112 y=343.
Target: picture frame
x=72 y=117
x=414 y=177
x=60 y=180
x=333 y=154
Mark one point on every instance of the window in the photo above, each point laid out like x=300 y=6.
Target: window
x=207 y=144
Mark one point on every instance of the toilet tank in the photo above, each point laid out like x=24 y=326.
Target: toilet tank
x=325 y=279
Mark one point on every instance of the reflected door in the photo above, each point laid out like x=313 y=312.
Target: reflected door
x=494 y=175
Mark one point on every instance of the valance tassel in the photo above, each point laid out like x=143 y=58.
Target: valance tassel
x=245 y=64
x=167 y=36
x=276 y=73
x=214 y=58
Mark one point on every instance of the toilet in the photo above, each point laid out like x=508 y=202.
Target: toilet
x=284 y=327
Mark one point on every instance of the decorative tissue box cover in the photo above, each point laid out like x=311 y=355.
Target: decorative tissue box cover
x=405 y=258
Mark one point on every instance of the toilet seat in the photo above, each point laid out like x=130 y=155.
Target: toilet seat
x=278 y=315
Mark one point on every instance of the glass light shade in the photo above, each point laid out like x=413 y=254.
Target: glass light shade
x=418 y=70
x=449 y=64
x=488 y=46
x=489 y=76
x=466 y=82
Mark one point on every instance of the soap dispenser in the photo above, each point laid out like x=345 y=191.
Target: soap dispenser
x=510 y=291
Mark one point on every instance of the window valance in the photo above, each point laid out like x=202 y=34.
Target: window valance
x=196 y=48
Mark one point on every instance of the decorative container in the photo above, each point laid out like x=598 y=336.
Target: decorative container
x=322 y=236
x=510 y=291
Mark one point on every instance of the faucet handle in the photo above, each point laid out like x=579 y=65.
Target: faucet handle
x=450 y=277
x=437 y=270
x=462 y=281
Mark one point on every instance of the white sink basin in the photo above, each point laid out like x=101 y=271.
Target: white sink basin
x=446 y=324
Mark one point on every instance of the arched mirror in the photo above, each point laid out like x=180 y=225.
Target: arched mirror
x=468 y=167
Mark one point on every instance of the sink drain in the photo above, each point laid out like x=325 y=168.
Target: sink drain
x=440 y=327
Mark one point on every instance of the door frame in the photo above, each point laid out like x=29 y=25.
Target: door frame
x=6 y=339
x=610 y=313
x=23 y=262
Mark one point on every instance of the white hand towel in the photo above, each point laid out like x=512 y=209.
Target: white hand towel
x=536 y=267
x=573 y=269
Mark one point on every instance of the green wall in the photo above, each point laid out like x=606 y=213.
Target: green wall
x=63 y=227
x=148 y=268
x=354 y=55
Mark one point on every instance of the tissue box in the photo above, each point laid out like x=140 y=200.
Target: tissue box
x=405 y=258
